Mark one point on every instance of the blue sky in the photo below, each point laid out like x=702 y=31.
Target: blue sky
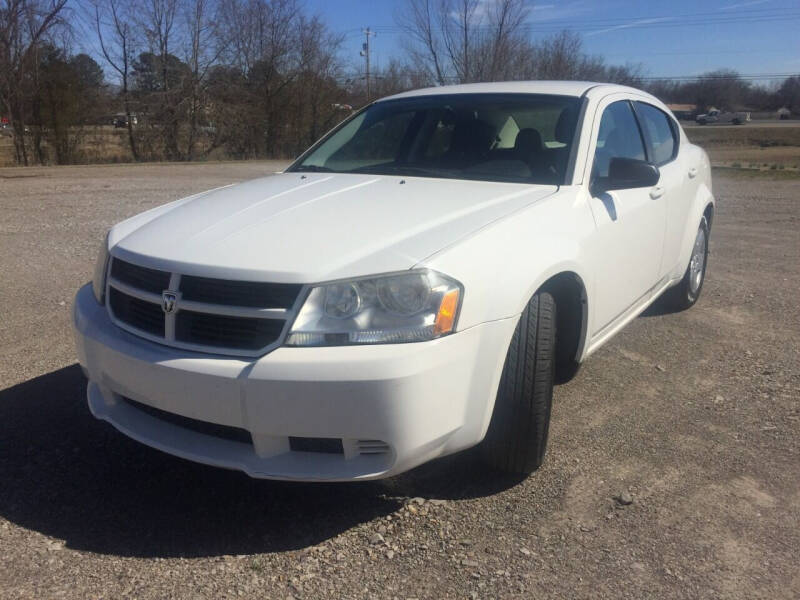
x=682 y=37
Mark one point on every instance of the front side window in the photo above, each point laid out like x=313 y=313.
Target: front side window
x=619 y=137
x=519 y=138
x=660 y=133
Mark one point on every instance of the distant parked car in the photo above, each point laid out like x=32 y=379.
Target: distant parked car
x=718 y=116
x=121 y=121
x=411 y=286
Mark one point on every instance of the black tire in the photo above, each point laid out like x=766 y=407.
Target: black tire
x=517 y=437
x=737 y=122
x=684 y=295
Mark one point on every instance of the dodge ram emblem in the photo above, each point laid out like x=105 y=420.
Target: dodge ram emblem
x=168 y=300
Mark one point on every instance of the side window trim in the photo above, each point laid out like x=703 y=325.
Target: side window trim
x=648 y=143
x=642 y=135
x=596 y=136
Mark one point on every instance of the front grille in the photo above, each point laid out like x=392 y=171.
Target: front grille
x=149 y=280
x=239 y=293
x=137 y=313
x=221 y=316
x=226 y=332
x=225 y=432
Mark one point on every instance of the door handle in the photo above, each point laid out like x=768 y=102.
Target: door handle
x=657 y=192
x=692 y=172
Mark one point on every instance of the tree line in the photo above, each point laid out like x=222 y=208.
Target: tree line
x=188 y=79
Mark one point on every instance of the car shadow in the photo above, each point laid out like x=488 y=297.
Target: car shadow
x=659 y=308
x=69 y=476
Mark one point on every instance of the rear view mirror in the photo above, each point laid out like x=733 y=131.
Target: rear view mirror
x=627 y=173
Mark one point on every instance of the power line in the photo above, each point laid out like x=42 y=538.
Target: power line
x=764 y=76
x=683 y=78
x=643 y=22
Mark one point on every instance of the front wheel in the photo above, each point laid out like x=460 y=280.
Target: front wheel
x=686 y=293
x=517 y=437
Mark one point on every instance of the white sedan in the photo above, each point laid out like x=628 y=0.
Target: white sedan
x=413 y=285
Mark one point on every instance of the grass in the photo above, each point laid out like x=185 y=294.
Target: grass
x=746 y=135
x=769 y=149
x=773 y=175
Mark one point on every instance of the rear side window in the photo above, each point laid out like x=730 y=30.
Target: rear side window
x=619 y=137
x=662 y=142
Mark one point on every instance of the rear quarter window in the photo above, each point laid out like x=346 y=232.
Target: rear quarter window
x=660 y=133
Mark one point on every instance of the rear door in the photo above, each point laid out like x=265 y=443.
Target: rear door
x=627 y=247
x=663 y=150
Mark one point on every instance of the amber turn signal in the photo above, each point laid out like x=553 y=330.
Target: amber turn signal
x=446 y=317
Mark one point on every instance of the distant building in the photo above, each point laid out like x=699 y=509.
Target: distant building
x=685 y=112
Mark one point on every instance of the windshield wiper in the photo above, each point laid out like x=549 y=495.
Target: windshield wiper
x=405 y=170
x=313 y=169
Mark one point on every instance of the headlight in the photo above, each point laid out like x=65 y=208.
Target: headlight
x=100 y=269
x=408 y=307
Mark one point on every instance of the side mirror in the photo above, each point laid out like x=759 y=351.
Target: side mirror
x=627 y=173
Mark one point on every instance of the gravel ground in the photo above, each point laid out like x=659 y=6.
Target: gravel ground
x=692 y=417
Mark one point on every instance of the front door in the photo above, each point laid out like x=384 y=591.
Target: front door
x=630 y=223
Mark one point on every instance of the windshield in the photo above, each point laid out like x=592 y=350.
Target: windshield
x=521 y=138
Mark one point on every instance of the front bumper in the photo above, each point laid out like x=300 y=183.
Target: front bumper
x=419 y=400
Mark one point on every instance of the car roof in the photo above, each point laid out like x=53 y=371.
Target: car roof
x=556 y=88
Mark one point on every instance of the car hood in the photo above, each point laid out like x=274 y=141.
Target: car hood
x=316 y=227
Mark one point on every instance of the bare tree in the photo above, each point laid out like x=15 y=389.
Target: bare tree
x=561 y=57
x=459 y=26
x=399 y=77
x=507 y=41
x=319 y=68
x=788 y=94
x=113 y=22
x=264 y=44
x=424 y=45
x=723 y=88
x=157 y=20
x=205 y=43
x=466 y=40
x=24 y=24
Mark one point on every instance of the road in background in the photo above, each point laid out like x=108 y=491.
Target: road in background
x=753 y=123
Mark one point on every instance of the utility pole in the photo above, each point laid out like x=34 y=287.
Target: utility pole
x=365 y=54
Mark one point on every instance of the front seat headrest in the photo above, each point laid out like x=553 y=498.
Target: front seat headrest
x=528 y=141
x=565 y=126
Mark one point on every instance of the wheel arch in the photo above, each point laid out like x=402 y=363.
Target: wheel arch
x=572 y=317
x=703 y=206
x=708 y=213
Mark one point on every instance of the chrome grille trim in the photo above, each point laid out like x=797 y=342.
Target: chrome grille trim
x=222 y=310
x=135 y=292
x=234 y=311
